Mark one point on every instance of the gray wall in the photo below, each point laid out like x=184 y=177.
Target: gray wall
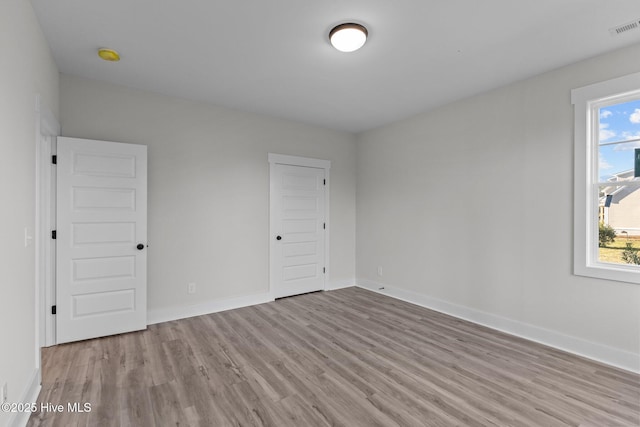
x=471 y=204
x=209 y=186
x=26 y=69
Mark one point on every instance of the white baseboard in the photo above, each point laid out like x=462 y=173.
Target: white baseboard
x=208 y=307
x=601 y=353
x=215 y=306
x=30 y=395
x=609 y=355
x=340 y=284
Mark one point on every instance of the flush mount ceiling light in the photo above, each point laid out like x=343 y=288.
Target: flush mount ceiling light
x=348 y=37
x=109 y=55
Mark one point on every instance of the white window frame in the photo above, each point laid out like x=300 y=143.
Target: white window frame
x=587 y=101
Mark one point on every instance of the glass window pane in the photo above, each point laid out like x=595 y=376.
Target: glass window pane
x=619 y=219
x=618 y=140
x=617 y=162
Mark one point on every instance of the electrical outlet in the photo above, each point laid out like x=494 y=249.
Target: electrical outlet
x=380 y=271
x=3 y=393
x=191 y=288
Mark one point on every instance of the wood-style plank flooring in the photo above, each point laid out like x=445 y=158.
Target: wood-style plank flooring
x=343 y=358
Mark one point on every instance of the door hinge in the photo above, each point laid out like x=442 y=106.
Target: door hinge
x=324 y=182
x=54 y=309
x=324 y=225
x=324 y=270
x=54 y=234
x=54 y=159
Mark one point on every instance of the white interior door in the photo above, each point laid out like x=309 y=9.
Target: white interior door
x=101 y=277
x=298 y=229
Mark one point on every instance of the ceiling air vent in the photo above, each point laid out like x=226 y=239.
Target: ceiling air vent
x=633 y=25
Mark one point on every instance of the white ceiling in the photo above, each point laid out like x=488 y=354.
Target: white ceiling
x=273 y=56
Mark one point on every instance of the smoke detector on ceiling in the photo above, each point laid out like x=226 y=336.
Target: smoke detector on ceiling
x=629 y=26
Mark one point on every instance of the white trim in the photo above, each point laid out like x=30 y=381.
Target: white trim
x=601 y=353
x=47 y=129
x=607 y=89
x=282 y=159
x=216 y=306
x=585 y=229
x=272 y=227
x=327 y=219
x=208 y=307
x=340 y=284
x=30 y=395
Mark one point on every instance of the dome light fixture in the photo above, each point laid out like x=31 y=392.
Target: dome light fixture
x=109 y=55
x=348 y=37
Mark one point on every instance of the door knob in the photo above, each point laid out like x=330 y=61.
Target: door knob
x=140 y=246
x=279 y=238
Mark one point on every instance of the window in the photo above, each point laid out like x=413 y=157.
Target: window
x=607 y=179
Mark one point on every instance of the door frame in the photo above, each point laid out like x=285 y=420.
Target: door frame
x=47 y=129
x=282 y=159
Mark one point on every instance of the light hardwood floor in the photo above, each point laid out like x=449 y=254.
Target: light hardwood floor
x=346 y=358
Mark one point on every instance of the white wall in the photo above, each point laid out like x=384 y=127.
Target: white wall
x=209 y=186
x=26 y=69
x=468 y=208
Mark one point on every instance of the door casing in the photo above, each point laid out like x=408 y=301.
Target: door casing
x=47 y=129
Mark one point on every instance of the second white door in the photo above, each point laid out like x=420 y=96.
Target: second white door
x=298 y=229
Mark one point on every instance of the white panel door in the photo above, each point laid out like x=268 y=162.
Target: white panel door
x=101 y=277
x=298 y=197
